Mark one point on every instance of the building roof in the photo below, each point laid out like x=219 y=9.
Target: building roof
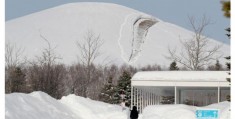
x=208 y=76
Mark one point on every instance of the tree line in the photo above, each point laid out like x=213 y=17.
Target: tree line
x=105 y=83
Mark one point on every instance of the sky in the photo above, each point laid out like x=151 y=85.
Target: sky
x=173 y=11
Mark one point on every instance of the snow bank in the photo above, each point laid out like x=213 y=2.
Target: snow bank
x=36 y=105
x=224 y=108
x=39 y=105
x=181 y=111
x=90 y=109
x=169 y=112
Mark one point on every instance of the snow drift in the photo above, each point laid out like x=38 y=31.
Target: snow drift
x=36 y=105
x=39 y=105
x=129 y=36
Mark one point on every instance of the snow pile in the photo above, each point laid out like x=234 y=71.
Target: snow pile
x=39 y=105
x=90 y=109
x=181 y=111
x=224 y=108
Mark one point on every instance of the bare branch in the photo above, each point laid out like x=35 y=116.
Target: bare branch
x=196 y=52
x=89 y=50
x=13 y=55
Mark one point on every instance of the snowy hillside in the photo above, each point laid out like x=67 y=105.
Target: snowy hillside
x=129 y=36
x=39 y=105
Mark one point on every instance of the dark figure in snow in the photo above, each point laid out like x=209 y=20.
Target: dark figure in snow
x=134 y=113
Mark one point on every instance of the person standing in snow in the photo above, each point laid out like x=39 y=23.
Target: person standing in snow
x=134 y=113
x=123 y=104
x=122 y=95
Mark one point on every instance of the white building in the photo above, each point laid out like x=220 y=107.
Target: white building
x=197 y=88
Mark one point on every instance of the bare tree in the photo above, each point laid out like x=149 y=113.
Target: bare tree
x=48 y=56
x=154 y=67
x=14 y=70
x=89 y=52
x=46 y=74
x=90 y=48
x=77 y=78
x=197 y=51
x=13 y=55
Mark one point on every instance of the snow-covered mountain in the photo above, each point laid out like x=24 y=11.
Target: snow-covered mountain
x=129 y=36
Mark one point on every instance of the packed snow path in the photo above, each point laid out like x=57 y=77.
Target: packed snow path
x=39 y=105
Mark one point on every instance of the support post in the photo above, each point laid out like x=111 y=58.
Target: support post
x=159 y=100
x=175 y=95
x=131 y=97
x=134 y=91
x=137 y=104
x=148 y=97
x=144 y=95
x=218 y=94
x=152 y=98
x=155 y=100
x=142 y=101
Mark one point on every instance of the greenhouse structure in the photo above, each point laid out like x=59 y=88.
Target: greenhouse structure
x=198 y=88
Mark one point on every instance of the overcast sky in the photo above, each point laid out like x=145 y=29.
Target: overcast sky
x=173 y=11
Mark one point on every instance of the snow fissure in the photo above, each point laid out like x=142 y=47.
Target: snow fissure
x=140 y=31
x=138 y=26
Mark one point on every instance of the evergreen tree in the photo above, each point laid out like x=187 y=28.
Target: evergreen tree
x=228 y=57
x=108 y=92
x=16 y=81
x=228 y=63
x=228 y=79
x=218 y=66
x=173 y=66
x=124 y=88
x=215 y=67
x=168 y=100
x=226 y=8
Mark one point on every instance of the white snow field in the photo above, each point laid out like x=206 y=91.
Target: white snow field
x=129 y=36
x=39 y=105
